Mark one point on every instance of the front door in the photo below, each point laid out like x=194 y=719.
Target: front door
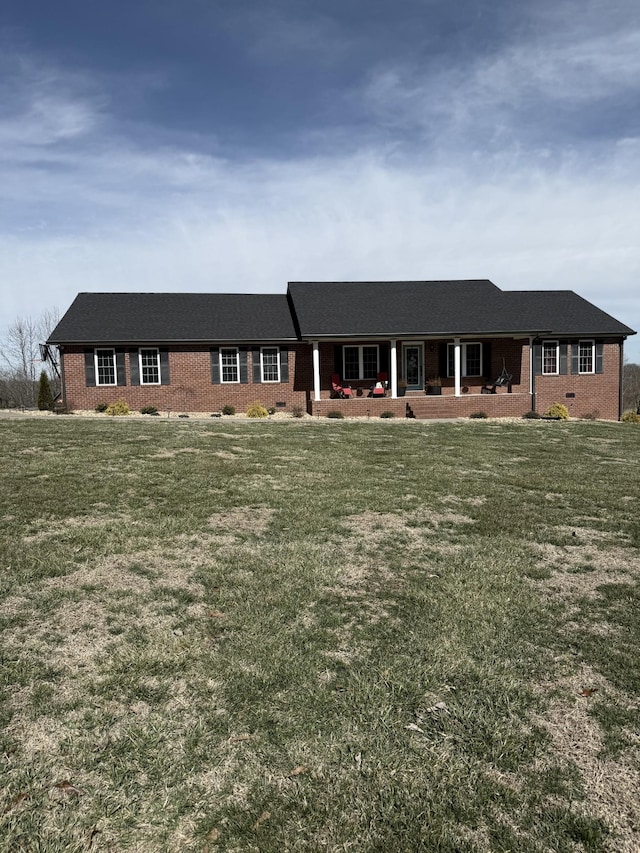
x=413 y=366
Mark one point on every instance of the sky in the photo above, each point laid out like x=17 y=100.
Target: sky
x=235 y=145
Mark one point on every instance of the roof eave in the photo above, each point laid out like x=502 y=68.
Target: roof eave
x=93 y=342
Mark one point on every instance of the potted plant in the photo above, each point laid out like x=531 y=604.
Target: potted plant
x=434 y=386
x=402 y=387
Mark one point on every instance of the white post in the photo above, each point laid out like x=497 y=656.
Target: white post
x=316 y=371
x=393 y=370
x=531 y=366
x=456 y=363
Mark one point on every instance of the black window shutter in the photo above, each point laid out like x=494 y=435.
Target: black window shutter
x=244 y=367
x=337 y=360
x=562 y=367
x=443 y=359
x=284 y=364
x=215 y=365
x=121 y=372
x=537 y=359
x=164 y=367
x=384 y=358
x=255 y=359
x=487 y=367
x=89 y=368
x=599 y=357
x=134 y=367
x=575 y=357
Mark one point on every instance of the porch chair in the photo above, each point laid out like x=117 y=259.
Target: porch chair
x=338 y=390
x=380 y=388
x=504 y=379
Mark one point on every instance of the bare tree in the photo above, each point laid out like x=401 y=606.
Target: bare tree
x=631 y=387
x=21 y=359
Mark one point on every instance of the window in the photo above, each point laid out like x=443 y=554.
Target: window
x=470 y=359
x=550 y=357
x=270 y=364
x=105 y=366
x=149 y=366
x=360 y=362
x=586 y=356
x=229 y=365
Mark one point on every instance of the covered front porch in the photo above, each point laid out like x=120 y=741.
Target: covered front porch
x=432 y=375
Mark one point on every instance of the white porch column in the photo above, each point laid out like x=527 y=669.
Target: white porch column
x=531 y=365
x=456 y=364
x=393 y=370
x=316 y=371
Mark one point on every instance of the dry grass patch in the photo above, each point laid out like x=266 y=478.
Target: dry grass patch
x=242 y=520
x=611 y=786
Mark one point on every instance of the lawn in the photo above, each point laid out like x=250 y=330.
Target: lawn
x=325 y=636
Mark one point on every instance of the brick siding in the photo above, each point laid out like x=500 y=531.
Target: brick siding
x=190 y=388
x=596 y=394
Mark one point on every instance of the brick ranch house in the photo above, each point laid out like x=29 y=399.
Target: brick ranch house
x=440 y=345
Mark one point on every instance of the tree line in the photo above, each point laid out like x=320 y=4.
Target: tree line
x=27 y=380
x=28 y=377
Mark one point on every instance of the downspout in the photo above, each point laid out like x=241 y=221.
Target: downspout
x=621 y=378
x=63 y=384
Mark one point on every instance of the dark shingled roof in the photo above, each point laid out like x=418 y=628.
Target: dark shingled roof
x=442 y=308
x=332 y=309
x=174 y=317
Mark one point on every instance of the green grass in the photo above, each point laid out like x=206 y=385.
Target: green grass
x=318 y=636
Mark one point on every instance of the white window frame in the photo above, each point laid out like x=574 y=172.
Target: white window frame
x=587 y=342
x=277 y=364
x=463 y=359
x=361 y=348
x=114 y=366
x=556 y=345
x=141 y=369
x=235 y=350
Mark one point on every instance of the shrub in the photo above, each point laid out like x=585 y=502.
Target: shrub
x=45 y=394
x=228 y=410
x=478 y=415
x=148 y=410
x=387 y=415
x=118 y=409
x=335 y=414
x=257 y=410
x=531 y=415
x=183 y=415
x=557 y=411
x=631 y=417
x=271 y=410
x=297 y=412
x=102 y=407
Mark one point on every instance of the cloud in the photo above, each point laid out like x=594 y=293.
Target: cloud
x=42 y=107
x=519 y=92
x=90 y=205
